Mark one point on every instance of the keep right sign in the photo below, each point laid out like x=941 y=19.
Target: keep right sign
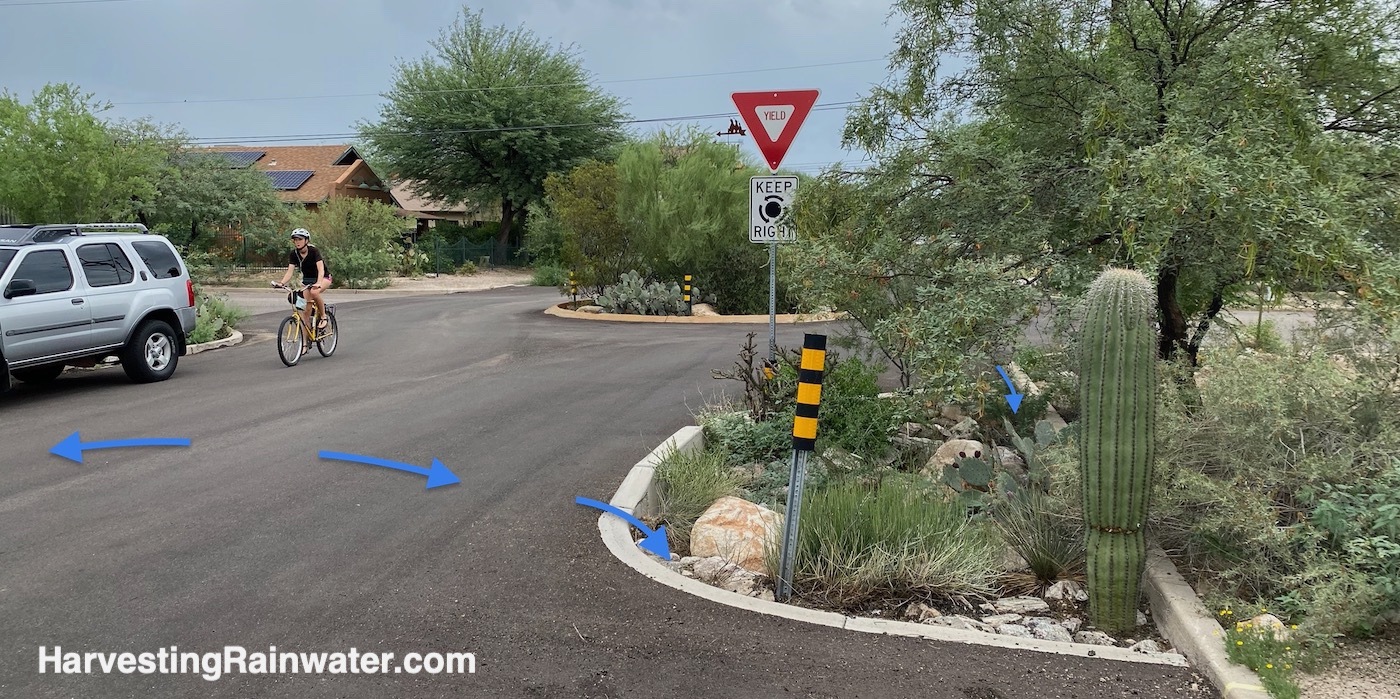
x=770 y=203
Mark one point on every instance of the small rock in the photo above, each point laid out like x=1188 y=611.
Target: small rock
x=714 y=568
x=921 y=612
x=690 y=561
x=1094 y=638
x=1021 y=605
x=675 y=556
x=1014 y=630
x=1072 y=624
x=999 y=619
x=1141 y=619
x=911 y=429
x=961 y=622
x=688 y=573
x=1009 y=459
x=1066 y=591
x=951 y=412
x=1274 y=624
x=1049 y=630
x=1012 y=561
x=965 y=428
x=590 y=309
x=948 y=454
x=703 y=309
x=740 y=583
x=1148 y=646
x=920 y=442
x=766 y=595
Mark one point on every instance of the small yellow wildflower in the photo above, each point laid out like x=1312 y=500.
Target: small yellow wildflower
x=1270 y=666
x=1239 y=643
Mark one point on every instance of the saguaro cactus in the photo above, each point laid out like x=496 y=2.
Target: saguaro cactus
x=1117 y=440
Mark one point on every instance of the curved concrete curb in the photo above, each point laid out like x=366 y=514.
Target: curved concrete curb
x=229 y=341
x=780 y=319
x=635 y=496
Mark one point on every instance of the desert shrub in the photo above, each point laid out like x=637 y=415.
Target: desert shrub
x=689 y=483
x=859 y=546
x=632 y=294
x=1260 y=460
x=215 y=318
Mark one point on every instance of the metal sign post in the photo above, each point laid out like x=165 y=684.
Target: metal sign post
x=804 y=440
x=770 y=207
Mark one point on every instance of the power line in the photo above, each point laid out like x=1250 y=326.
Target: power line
x=61 y=2
x=500 y=87
x=234 y=140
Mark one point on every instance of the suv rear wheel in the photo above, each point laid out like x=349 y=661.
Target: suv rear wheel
x=38 y=374
x=151 y=354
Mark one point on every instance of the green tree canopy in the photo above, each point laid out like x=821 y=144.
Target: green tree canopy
x=1214 y=145
x=489 y=116
x=61 y=163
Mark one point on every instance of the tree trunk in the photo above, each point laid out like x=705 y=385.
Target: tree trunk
x=1217 y=302
x=1169 y=312
x=503 y=235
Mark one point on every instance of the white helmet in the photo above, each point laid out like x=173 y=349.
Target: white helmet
x=301 y=233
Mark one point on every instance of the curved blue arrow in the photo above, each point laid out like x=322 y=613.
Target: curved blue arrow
x=73 y=446
x=654 y=542
x=437 y=474
x=1014 y=399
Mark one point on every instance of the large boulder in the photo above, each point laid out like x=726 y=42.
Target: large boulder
x=738 y=531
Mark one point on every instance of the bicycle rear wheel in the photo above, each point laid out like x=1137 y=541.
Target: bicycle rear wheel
x=290 y=341
x=326 y=344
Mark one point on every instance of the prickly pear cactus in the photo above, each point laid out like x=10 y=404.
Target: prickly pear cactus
x=1116 y=440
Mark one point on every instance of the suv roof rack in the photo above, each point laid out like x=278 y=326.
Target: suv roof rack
x=51 y=232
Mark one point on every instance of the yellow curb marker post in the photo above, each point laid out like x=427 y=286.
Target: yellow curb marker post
x=804 y=440
x=689 y=309
x=573 y=287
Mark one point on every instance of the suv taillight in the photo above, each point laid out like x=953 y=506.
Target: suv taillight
x=189 y=286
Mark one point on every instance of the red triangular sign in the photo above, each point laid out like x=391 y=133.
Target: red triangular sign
x=773 y=118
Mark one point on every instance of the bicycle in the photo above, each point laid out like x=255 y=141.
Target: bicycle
x=294 y=334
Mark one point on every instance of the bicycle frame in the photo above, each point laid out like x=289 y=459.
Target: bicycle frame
x=301 y=332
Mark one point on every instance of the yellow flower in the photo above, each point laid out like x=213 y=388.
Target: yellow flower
x=1288 y=647
x=1270 y=666
x=1239 y=643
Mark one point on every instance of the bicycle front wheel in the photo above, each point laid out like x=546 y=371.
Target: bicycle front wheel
x=290 y=341
x=326 y=344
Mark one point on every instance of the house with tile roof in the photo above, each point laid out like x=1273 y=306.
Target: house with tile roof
x=310 y=175
x=427 y=212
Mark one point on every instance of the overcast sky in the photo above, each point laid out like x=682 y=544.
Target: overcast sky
x=219 y=68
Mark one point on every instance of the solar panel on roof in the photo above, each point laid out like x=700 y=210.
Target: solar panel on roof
x=289 y=179
x=243 y=158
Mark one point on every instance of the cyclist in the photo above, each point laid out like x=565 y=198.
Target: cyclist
x=315 y=272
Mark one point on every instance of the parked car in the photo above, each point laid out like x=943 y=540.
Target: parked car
x=74 y=294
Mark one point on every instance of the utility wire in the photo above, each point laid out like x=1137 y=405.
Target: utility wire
x=233 y=140
x=500 y=87
x=60 y=2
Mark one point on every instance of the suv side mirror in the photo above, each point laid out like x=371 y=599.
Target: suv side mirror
x=20 y=287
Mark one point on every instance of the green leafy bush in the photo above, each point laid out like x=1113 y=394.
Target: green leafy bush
x=215 y=319
x=1260 y=464
x=551 y=274
x=360 y=239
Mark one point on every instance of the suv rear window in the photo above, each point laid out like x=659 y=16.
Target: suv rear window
x=159 y=257
x=104 y=264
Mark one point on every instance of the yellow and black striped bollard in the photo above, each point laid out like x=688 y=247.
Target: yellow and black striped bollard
x=689 y=308
x=573 y=287
x=804 y=440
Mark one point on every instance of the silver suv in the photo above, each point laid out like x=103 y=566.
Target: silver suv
x=74 y=294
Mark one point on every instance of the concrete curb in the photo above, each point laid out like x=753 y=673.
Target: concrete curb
x=1193 y=630
x=636 y=496
x=780 y=319
x=229 y=341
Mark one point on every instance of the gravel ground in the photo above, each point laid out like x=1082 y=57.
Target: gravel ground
x=1362 y=669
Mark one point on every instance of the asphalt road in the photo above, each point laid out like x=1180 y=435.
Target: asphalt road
x=247 y=538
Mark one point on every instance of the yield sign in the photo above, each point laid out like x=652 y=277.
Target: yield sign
x=773 y=118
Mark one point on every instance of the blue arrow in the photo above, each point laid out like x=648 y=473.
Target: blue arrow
x=655 y=541
x=1015 y=398
x=73 y=447
x=437 y=474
